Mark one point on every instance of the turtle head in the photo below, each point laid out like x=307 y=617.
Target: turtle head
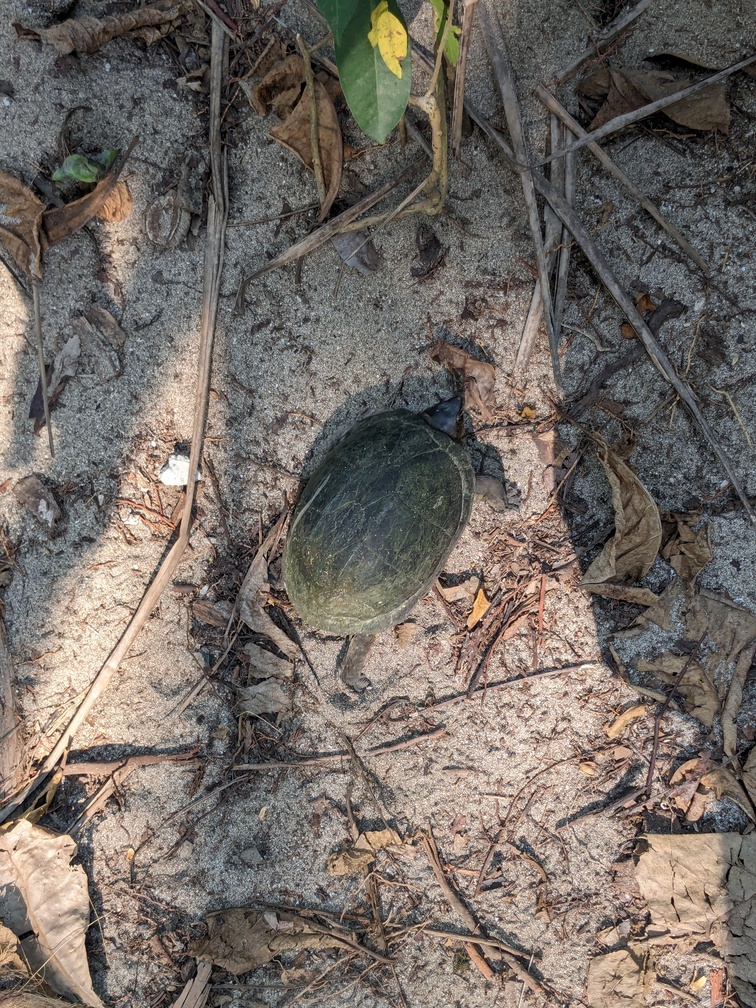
x=446 y=416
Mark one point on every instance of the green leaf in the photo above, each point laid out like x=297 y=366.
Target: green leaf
x=376 y=97
x=338 y=14
x=79 y=168
x=107 y=159
x=451 y=48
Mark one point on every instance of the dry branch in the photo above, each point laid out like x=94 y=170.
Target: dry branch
x=553 y=106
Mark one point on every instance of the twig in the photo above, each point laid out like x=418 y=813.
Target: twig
x=554 y=106
x=213 y=266
x=604 y=273
x=399 y=930
x=317 y=163
x=499 y=58
x=468 y=16
x=564 y=251
x=619 y=122
x=41 y=362
x=609 y=33
x=325 y=233
x=459 y=907
x=483 y=690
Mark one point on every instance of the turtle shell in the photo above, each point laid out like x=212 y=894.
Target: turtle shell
x=375 y=523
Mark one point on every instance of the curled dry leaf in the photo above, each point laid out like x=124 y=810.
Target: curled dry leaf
x=117 y=206
x=45 y=899
x=625 y=90
x=617 y=727
x=34 y=495
x=264 y=663
x=632 y=550
x=705 y=884
x=253 y=594
x=688 y=551
x=88 y=34
x=265 y=697
x=429 y=249
x=477 y=376
x=20 y=222
x=463 y=592
x=240 y=939
x=282 y=90
x=360 y=855
x=713 y=681
x=65 y=366
x=481 y=605
x=404 y=632
x=357 y=250
x=493 y=492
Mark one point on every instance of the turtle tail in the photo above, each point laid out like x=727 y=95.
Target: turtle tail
x=349 y=669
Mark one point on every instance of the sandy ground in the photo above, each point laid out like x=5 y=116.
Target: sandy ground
x=296 y=369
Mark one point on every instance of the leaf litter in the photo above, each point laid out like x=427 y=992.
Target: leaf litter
x=44 y=900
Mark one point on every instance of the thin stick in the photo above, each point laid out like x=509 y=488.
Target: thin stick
x=213 y=266
x=459 y=907
x=497 y=53
x=563 y=255
x=41 y=362
x=605 y=275
x=609 y=33
x=325 y=233
x=619 y=122
x=317 y=163
x=468 y=16
x=553 y=106
x=398 y=931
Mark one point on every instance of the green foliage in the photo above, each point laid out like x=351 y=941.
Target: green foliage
x=79 y=168
x=376 y=96
x=451 y=48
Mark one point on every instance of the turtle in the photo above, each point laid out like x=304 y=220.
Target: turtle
x=375 y=523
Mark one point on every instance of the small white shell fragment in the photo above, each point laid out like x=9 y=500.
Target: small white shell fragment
x=176 y=470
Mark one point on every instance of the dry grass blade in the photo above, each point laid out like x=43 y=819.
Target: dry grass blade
x=553 y=106
x=468 y=16
x=197 y=990
x=216 y=224
x=10 y=748
x=646 y=110
x=500 y=61
x=604 y=273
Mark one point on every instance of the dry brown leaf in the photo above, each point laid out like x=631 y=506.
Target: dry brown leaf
x=687 y=551
x=240 y=939
x=615 y=729
x=102 y=340
x=117 y=206
x=12 y=966
x=705 y=884
x=632 y=550
x=493 y=492
x=481 y=605
x=463 y=592
x=280 y=89
x=359 y=857
x=264 y=697
x=264 y=663
x=404 y=632
x=20 y=223
x=60 y=223
x=627 y=89
x=34 y=495
x=46 y=900
x=712 y=684
x=722 y=781
x=250 y=604
x=211 y=613
x=88 y=34
x=65 y=366
x=619 y=979
x=477 y=376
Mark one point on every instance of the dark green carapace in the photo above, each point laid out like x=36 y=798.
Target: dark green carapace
x=376 y=522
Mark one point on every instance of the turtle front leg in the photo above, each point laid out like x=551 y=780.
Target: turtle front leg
x=349 y=670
